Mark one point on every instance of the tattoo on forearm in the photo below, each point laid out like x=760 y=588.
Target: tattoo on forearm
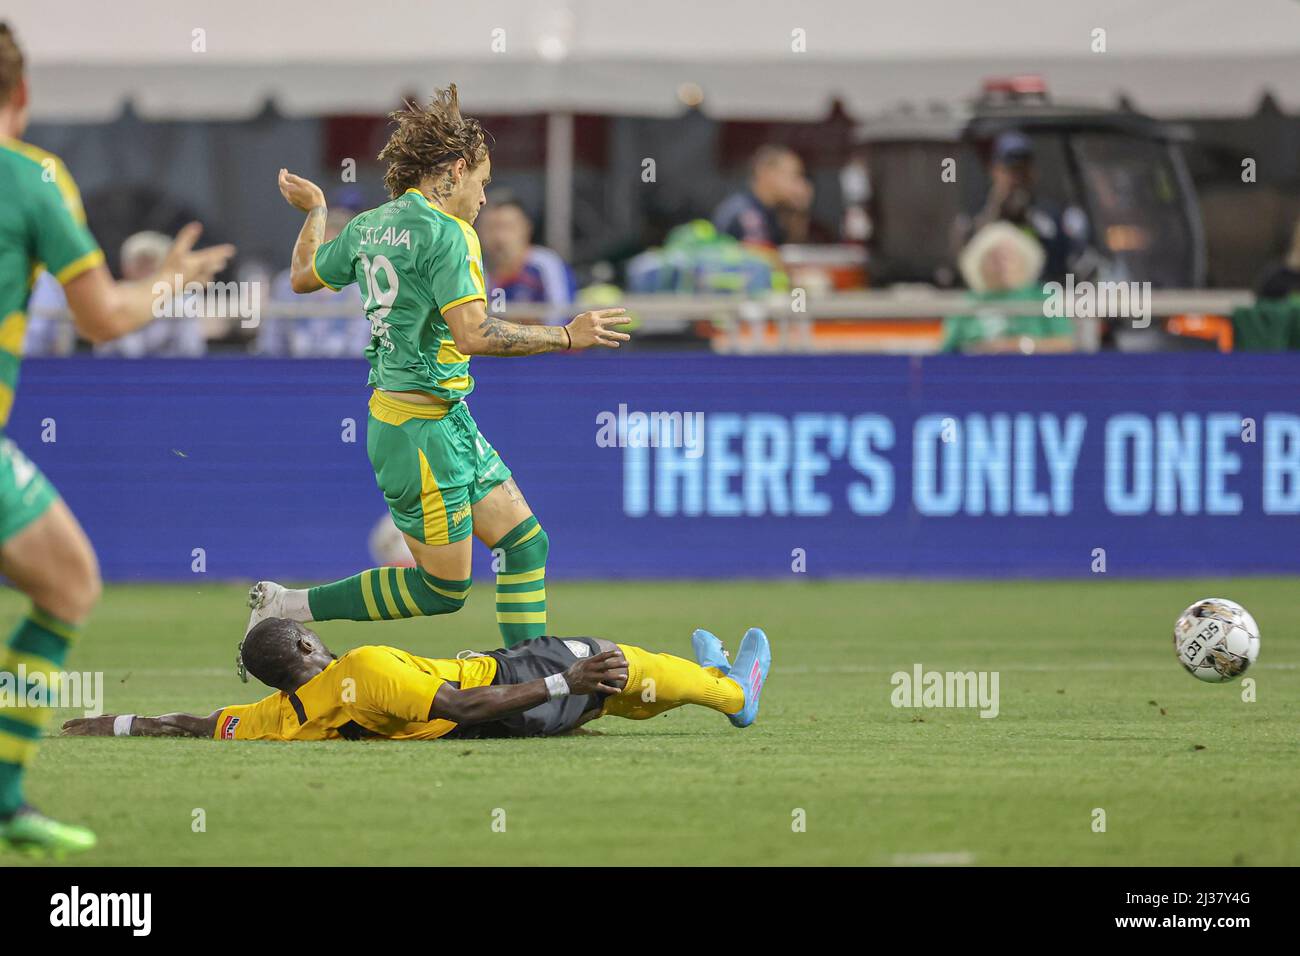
x=511 y=338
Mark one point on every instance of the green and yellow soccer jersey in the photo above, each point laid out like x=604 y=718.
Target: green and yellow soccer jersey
x=413 y=262
x=42 y=224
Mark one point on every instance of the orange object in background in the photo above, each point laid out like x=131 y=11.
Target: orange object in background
x=1213 y=328
x=838 y=267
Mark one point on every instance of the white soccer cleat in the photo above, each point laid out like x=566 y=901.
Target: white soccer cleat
x=266 y=599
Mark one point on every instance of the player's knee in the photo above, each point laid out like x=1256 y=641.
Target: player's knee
x=75 y=592
x=529 y=554
x=455 y=600
x=543 y=544
x=439 y=594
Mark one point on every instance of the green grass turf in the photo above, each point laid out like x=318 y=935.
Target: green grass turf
x=1095 y=712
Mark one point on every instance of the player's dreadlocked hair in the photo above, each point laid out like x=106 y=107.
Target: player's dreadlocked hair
x=269 y=651
x=11 y=61
x=428 y=140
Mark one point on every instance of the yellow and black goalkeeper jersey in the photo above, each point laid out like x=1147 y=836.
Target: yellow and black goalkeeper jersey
x=368 y=692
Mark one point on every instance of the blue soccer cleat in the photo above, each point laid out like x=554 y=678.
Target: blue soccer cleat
x=750 y=670
x=709 y=651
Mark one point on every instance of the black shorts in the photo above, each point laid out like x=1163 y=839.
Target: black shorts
x=531 y=660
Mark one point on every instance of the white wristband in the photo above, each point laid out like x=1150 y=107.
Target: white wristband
x=122 y=725
x=556 y=686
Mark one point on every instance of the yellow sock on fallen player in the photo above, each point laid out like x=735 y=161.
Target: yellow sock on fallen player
x=660 y=682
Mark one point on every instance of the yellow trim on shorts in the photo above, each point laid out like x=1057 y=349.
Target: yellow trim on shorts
x=77 y=266
x=394 y=411
x=523 y=577
x=521 y=617
x=457 y=384
x=436 y=530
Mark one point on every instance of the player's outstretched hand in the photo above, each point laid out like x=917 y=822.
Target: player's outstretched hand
x=606 y=673
x=101 y=726
x=300 y=193
x=194 y=265
x=593 y=328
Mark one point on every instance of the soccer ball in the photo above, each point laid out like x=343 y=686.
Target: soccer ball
x=1216 y=640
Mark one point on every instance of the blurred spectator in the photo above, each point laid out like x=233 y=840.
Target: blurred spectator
x=49 y=323
x=1012 y=198
x=795 y=217
x=1282 y=280
x=338 y=326
x=777 y=188
x=522 y=271
x=1001 y=264
x=142 y=256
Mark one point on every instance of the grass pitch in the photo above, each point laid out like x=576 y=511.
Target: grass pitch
x=1095 y=712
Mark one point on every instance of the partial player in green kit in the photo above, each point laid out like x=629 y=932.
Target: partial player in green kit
x=43 y=550
x=417 y=261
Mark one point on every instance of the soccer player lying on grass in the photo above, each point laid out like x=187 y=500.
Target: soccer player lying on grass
x=540 y=687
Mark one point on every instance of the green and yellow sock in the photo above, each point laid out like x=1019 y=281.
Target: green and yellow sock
x=39 y=645
x=520 y=560
x=384 y=594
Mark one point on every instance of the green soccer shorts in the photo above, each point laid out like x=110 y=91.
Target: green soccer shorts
x=25 y=493
x=432 y=464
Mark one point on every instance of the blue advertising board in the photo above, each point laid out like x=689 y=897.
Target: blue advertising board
x=701 y=466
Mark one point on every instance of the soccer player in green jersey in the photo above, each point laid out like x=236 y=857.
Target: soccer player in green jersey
x=43 y=550
x=417 y=261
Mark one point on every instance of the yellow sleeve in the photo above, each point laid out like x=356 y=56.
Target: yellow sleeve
x=259 y=721
x=389 y=686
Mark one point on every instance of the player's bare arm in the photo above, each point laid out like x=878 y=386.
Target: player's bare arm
x=604 y=673
x=166 y=725
x=306 y=196
x=477 y=333
x=104 y=309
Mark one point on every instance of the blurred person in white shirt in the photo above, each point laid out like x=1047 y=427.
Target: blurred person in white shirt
x=142 y=256
x=337 y=328
x=49 y=323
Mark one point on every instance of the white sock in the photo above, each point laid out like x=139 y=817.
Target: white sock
x=294 y=605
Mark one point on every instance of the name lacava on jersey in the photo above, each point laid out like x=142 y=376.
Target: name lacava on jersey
x=383 y=236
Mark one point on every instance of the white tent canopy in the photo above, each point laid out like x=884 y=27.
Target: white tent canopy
x=761 y=58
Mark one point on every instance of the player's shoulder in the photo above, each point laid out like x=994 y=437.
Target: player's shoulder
x=25 y=165
x=371 y=655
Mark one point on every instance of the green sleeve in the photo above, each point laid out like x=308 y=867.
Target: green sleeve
x=456 y=268
x=62 y=240
x=334 y=261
